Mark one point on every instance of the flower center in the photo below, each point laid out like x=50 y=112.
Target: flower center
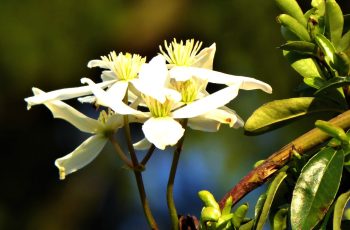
x=189 y=89
x=181 y=54
x=125 y=66
x=156 y=108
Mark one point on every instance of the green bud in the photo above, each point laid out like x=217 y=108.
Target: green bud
x=292 y=8
x=280 y=219
x=333 y=131
x=208 y=199
x=239 y=215
x=294 y=26
x=210 y=214
x=228 y=206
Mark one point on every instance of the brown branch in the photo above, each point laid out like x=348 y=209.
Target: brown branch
x=302 y=144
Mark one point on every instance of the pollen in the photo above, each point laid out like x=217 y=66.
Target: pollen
x=125 y=66
x=182 y=53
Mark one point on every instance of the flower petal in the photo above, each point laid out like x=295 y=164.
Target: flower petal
x=108 y=75
x=81 y=156
x=108 y=100
x=98 y=63
x=162 y=131
x=66 y=112
x=142 y=144
x=205 y=58
x=208 y=103
x=203 y=124
x=63 y=94
x=118 y=90
x=212 y=76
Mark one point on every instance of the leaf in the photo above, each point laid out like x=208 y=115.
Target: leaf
x=316 y=188
x=269 y=199
x=327 y=48
x=294 y=26
x=305 y=66
x=344 y=42
x=292 y=8
x=299 y=46
x=259 y=205
x=339 y=209
x=334 y=83
x=276 y=113
x=334 y=21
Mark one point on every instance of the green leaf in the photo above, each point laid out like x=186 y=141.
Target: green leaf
x=294 y=26
x=292 y=8
x=259 y=205
x=334 y=21
x=277 y=113
x=305 y=66
x=344 y=43
x=327 y=48
x=299 y=46
x=247 y=226
x=339 y=209
x=269 y=199
x=334 y=83
x=316 y=188
x=319 y=5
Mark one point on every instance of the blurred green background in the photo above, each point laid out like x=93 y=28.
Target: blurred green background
x=47 y=44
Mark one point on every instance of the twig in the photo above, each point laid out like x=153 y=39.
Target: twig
x=302 y=144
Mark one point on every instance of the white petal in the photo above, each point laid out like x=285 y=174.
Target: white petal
x=203 y=124
x=81 y=156
x=212 y=76
x=208 y=103
x=98 y=63
x=155 y=72
x=205 y=58
x=142 y=144
x=66 y=112
x=162 y=131
x=224 y=117
x=87 y=99
x=63 y=94
x=105 y=99
x=180 y=73
x=118 y=90
x=108 y=75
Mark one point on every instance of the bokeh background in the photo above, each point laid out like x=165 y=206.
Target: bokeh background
x=47 y=44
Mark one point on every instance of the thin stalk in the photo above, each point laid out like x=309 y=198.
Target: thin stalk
x=170 y=186
x=148 y=155
x=301 y=145
x=138 y=176
x=120 y=152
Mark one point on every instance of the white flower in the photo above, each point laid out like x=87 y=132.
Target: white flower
x=90 y=148
x=122 y=67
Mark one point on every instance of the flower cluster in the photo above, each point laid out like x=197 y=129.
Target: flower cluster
x=159 y=94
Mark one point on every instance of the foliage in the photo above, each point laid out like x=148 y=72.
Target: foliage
x=311 y=190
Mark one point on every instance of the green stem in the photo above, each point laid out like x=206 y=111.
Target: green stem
x=264 y=171
x=170 y=186
x=120 y=152
x=148 y=155
x=138 y=176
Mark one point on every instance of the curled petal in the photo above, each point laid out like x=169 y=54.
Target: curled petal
x=98 y=63
x=63 y=94
x=142 y=144
x=208 y=103
x=66 y=112
x=203 y=124
x=81 y=156
x=155 y=72
x=162 y=131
